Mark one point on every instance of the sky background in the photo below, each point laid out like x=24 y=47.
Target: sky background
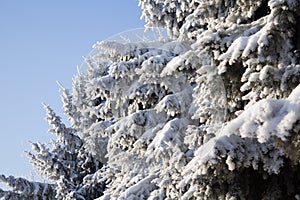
x=42 y=42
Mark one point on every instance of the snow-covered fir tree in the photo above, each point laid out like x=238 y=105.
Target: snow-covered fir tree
x=213 y=112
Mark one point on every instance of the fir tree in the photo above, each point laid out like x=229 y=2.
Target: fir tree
x=212 y=112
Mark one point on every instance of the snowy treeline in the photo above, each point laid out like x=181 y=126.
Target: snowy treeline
x=211 y=113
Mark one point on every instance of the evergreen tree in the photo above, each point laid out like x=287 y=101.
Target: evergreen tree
x=211 y=113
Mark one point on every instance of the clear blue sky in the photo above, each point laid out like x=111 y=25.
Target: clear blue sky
x=42 y=42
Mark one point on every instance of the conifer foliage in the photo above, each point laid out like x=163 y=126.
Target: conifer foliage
x=212 y=112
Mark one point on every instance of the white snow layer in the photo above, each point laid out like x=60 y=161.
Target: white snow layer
x=249 y=134
x=267 y=118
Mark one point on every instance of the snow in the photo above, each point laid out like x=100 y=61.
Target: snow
x=168 y=134
x=139 y=187
x=267 y=118
x=262 y=121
